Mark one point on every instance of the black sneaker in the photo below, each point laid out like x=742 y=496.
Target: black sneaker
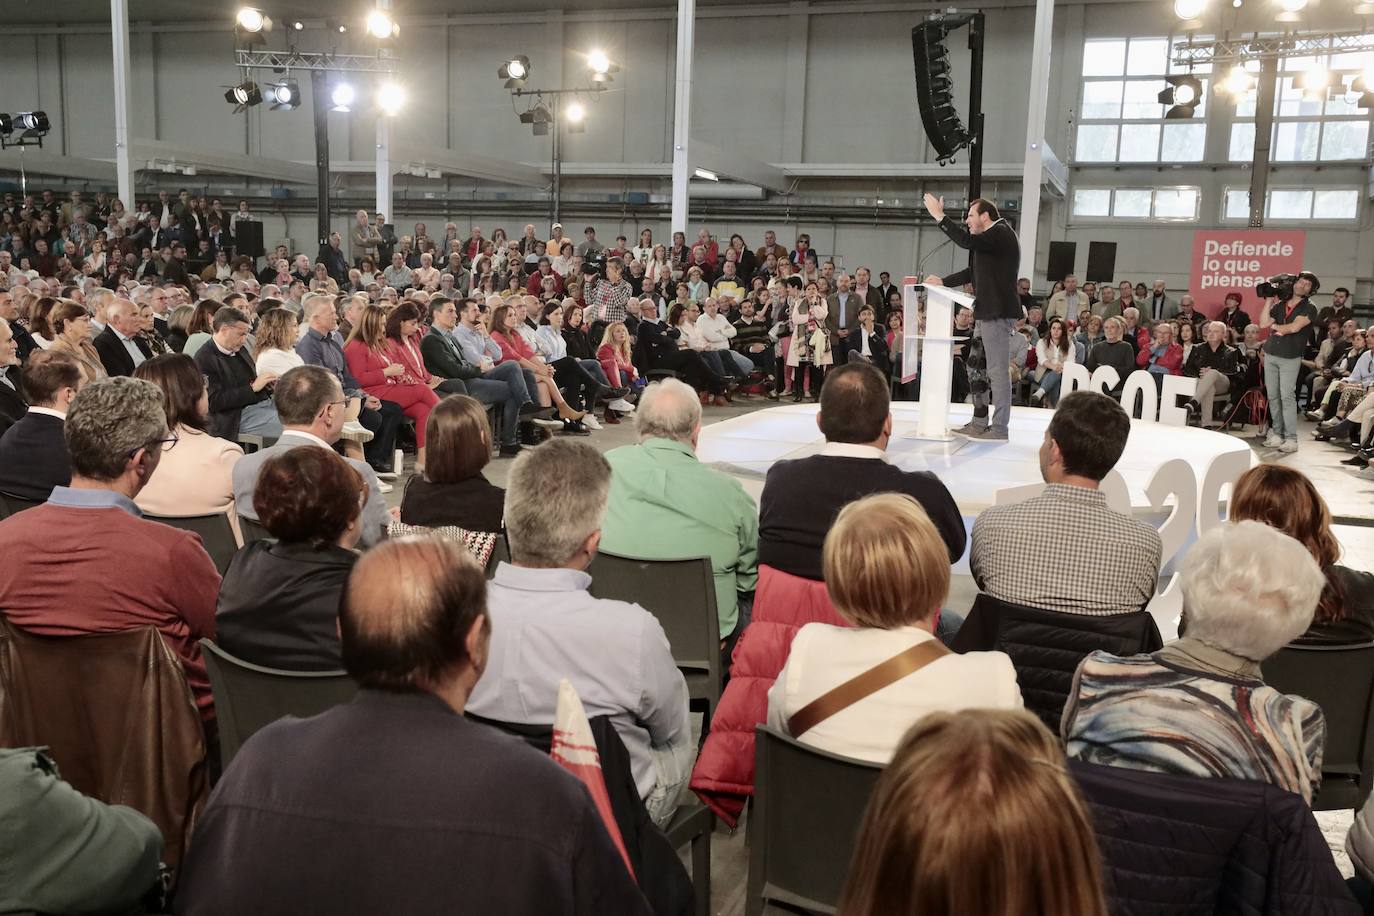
x=510 y=451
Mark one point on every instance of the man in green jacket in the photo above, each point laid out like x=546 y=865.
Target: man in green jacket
x=666 y=505
x=62 y=852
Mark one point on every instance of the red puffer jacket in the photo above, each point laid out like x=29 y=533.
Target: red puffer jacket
x=724 y=773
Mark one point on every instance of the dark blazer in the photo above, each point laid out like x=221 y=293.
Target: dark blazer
x=335 y=262
x=33 y=457
x=994 y=259
x=801 y=498
x=24 y=339
x=230 y=380
x=474 y=504
x=333 y=802
x=877 y=346
x=175 y=272
x=444 y=358
x=279 y=605
x=12 y=402
x=113 y=354
x=851 y=311
x=1176 y=844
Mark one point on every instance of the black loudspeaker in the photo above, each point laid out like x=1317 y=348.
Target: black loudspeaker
x=1062 y=256
x=248 y=238
x=1101 y=261
x=934 y=88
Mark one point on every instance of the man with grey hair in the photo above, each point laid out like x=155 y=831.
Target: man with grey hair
x=1217 y=369
x=103 y=568
x=546 y=626
x=96 y=303
x=121 y=349
x=663 y=499
x=240 y=396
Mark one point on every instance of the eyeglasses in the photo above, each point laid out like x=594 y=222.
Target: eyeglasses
x=165 y=445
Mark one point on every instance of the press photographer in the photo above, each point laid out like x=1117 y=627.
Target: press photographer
x=606 y=295
x=1287 y=315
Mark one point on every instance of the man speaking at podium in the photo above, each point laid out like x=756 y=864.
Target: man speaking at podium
x=995 y=256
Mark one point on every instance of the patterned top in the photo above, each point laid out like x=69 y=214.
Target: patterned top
x=1064 y=550
x=1145 y=713
x=608 y=300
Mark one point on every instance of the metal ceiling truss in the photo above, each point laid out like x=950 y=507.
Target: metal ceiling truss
x=282 y=61
x=1279 y=47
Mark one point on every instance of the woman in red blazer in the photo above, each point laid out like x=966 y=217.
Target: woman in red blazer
x=504 y=321
x=378 y=365
x=1161 y=356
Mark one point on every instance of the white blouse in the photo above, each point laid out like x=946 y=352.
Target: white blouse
x=279 y=361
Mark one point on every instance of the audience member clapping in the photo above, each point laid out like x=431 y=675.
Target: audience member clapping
x=103 y=568
x=33 y=452
x=1199 y=706
x=195 y=477
x=1284 y=498
x=321 y=814
x=452 y=491
x=976 y=813
x=279 y=602
x=887 y=573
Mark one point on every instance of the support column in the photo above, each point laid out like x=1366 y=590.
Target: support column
x=1035 y=135
x=682 y=112
x=1264 y=139
x=124 y=165
x=319 y=92
x=384 y=170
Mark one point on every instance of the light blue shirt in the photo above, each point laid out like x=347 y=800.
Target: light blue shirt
x=93 y=499
x=1364 y=368
x=546 y=626
x=475 y=347
x=553 y=342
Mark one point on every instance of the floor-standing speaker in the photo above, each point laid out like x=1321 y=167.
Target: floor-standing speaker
x=1101 y=261
x=1061 y=261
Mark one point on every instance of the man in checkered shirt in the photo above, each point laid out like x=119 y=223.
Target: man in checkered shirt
x=1064 y=550
x=606 y=303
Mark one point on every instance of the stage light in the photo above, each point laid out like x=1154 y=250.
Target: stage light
x=284 y=95
x=253 y=20
x=1189 y=9
x=934 y=90
x=381 y=26
x=1314 y=81
x=1184 y=92
x=244 y=95
x=515 y=71
x=575 y=113
x=337 y=26
x=1237 y=82
x=6 y=125
x=391 y=98
x=598 y=61
x=297 y=25
x=342 y=97
x=33 y=123
x=1291 y=9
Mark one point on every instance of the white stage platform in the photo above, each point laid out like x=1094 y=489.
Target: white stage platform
x=974 y=471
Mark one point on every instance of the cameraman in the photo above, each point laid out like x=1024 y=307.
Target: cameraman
x=1287 y=320
x=606 y=298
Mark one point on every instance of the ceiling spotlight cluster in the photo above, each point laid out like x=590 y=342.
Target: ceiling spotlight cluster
x=28 y=128
x=547 y=109
x=252 y=26
x=1184 y=94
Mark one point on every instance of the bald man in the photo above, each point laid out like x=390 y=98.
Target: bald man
x=396 y=803
x=121 y=348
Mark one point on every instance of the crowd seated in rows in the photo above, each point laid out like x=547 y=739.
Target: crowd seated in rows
x=326 y=800
x=1199 y=706
x=614 y=654
x=279 y=601
x=452 y=491
x=887 y=572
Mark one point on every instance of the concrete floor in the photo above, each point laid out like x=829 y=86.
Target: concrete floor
x=1346 y=493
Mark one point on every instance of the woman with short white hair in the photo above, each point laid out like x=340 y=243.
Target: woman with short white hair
x=1199 y=706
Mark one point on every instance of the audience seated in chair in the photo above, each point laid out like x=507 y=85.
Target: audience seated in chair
x=240 y=396
x=12 y=403
x=667 y=505
x=312 y=407
x=887 y=572
x=1282 y=496
x=121 y=348
x=103 y=568
x=452 y=491
x=1199 y=706
x=976 y=813
x=546 y=626
x=196 y=477
x=1065 y=550
x=65 y=852
x=33 y=452
x=321 y=814
x=279 y=602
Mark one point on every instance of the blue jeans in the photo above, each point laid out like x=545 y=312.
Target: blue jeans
x=594 y=368
x=1281 y=384
x=1049 y=383
x=742 y=364
x=260 y=419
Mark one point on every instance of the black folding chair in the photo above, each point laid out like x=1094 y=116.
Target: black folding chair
x=249 y=697
x=215 y=533
x=808 y=805
x=1339 y=679
x=252 y=530
x=11 y=504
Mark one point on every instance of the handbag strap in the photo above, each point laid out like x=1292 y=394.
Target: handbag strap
x=865 y=684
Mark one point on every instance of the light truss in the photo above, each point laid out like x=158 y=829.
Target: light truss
x=313 y=60
x=1278 y=47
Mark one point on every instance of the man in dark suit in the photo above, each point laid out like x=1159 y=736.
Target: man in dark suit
x=33 y=452
x=240 y=396
x=175 y=269
x=870 y=294
x=868 y=343
x=121 y=350
x=495 y=811
x=801 y=497
x=842 y=316
x=333 y=259
x=886 y=287
x=22 y=338
x=12 y=403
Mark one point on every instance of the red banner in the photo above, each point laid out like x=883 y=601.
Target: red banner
x=1236 y=260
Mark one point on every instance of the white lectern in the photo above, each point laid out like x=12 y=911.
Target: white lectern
x=936 y=346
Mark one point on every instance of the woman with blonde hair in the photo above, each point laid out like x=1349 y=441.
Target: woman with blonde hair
x=1284 y=498
x=276 y=338
x=976 y=814
x=71 y=325
x=887 y=573
x=616 y=355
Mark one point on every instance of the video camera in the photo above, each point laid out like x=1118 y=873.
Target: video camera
x=1279 y=286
